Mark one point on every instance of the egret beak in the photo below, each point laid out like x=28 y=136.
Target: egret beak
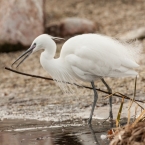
x=24 y=55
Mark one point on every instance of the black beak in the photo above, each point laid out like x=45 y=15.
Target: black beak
x=24 y=56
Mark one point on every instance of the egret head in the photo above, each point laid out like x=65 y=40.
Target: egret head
x=41 y=42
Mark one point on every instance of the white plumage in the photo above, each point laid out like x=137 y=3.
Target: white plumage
x=86 y=57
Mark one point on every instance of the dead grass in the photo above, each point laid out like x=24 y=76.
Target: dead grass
x=130 y=135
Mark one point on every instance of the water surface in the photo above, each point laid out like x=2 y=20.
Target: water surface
x=34 y=132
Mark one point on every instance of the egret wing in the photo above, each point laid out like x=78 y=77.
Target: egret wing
x=99 y=62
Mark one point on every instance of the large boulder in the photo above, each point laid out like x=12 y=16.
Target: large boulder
x=72 y=26
x=20 y=22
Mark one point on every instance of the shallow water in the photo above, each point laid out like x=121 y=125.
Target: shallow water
x=30 y=132
x=34 y=132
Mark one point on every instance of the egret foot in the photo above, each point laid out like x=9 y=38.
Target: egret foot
x=109 y=119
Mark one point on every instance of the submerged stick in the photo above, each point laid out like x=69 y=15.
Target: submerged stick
x=45 y=78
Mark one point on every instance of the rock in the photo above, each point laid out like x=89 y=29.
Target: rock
x=53 y=29
x=134 y=34
x=72 y=26
x=21 y=22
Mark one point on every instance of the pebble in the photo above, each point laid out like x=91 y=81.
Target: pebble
x=103 y=136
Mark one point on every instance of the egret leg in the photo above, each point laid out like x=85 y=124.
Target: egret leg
x=94 y=103
x=110 y=99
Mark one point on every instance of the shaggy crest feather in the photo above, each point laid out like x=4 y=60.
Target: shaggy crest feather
x=56 y=38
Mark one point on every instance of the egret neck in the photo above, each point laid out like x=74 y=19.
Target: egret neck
x=56 y=67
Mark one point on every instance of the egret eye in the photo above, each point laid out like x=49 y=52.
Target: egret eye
x=34 y=44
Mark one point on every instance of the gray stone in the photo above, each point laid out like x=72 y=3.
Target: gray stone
x=21 y=22
x=72 y=26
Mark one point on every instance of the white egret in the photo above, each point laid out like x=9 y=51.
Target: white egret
x=86 y=57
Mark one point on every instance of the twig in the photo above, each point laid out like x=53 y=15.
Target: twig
x=115 y=94
x=132 y=100
x=40 y=77
x=119 y=113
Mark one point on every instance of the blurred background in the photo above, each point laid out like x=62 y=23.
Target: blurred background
x=22 y=21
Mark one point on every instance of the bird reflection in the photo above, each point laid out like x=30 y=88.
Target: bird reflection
x=93 y=134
